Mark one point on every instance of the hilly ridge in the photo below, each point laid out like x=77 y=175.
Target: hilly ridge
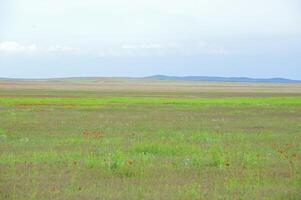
x=223 y=79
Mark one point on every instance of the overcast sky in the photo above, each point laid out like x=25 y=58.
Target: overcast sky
x=59 y=38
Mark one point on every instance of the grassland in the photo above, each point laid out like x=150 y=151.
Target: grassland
x=158 y=143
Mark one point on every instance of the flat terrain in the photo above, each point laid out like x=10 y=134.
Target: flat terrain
x=117 y=138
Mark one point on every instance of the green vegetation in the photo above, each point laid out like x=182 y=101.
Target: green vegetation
x=150 y=148
x=152 y=100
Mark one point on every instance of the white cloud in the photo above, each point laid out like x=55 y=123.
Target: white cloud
x=128 y=49
x=62 y=49
x=164 y=49
x=142 y=46
x=14 y=47
x=211 y=49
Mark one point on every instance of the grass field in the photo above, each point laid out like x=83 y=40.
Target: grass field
x=166 y=140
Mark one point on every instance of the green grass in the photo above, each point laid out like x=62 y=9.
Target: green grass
x=153 y=100
x=150 y=148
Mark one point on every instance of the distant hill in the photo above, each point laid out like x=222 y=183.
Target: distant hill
x=164 y=77
x=223 y=79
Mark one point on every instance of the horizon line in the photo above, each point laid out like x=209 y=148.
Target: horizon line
x=156 y=76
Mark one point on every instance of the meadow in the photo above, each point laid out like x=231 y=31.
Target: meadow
x=140 y=139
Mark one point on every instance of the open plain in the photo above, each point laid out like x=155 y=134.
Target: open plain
x=130 y=138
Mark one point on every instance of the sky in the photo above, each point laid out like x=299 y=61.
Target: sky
x=76 y=38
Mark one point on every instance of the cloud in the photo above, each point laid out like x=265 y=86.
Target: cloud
x=164 y=49
x=211 y=49
x=188 y=48
x=142 y=46
x=62 y=49
x=14 y=47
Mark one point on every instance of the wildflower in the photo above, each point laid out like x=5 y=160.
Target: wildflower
x=130 y=162
x=227 y=163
